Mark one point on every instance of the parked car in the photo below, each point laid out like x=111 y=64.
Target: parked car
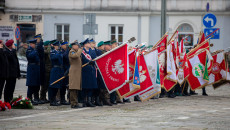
x=23 y=65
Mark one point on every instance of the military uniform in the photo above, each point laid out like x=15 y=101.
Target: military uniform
x=40 y=50
x=88 y=74
x=104 y=94
x=22 y=51
x=44 y=88
x=66 y=66
x=33 y=73
x=56 y=73
x=75 y=75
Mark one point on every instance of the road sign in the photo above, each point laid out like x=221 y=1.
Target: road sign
x=90 y=29
x=209 y=20
x=215 y=35
x=17 y=33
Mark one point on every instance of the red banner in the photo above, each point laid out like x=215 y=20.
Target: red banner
x=128 y=88
x=145 y=81
x=114 y=68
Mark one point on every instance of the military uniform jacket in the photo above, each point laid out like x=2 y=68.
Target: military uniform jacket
x=33 y=68
x=4 y=70
x=89 y=80
x=48 y=65
x=57 y=68
x=65 y=65
x=75 y=69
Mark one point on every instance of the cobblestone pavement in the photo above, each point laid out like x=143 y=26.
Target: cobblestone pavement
x=193 y=112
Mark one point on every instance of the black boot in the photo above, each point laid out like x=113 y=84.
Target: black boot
x=204 y=92
x=34 y=102
x=53 y=102
x=137 y=98
x=89 y=102
x=76 y=106
x=126 y=101
x=64 y=102
x=107 y=102
x=84 y=102
x=98 y=102
x=39 y=101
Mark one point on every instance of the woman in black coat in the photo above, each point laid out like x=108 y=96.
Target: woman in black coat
x=14 y=71
x=3 y=68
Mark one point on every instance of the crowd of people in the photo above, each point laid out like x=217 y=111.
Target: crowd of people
x=51 y=60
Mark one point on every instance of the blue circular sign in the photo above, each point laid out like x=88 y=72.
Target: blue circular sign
x=17 y=33
x=209 y=20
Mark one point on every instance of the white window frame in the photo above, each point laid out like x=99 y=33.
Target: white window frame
x=55 y=30
x=116 y=32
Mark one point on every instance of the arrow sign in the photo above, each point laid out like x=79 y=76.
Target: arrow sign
x=209 y=20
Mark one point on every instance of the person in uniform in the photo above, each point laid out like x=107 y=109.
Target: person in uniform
x=4 y=70
x=75 y=74
x=104 y=95
x=40 y=50
x=88 y=74
x=114 y=98
x=44 y=88
x=22 y=49
x=94 y=54
x=66 y=65
x=33 y=72
x=56 y=73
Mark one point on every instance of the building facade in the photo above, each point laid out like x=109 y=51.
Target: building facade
x=116 y=19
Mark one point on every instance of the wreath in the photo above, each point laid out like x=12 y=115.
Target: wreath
x=21 y=103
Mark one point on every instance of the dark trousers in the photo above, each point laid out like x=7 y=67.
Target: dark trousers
x=178 y=88
x=113 y=97
x=44 y=88
x=2 y=83
x=63 y=92
x=52 y=93
x=87 y=93
x=9 y=89
x=33 y=90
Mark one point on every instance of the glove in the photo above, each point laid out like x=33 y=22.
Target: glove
x=91 y=62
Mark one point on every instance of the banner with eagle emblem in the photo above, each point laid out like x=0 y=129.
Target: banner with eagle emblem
x=114 y=68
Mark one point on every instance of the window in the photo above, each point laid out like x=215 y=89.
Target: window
x=116 y=32
x=186 y=32
x=62 y=32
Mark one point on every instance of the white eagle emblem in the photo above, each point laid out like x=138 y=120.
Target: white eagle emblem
x=142 y=74
x=118 y=67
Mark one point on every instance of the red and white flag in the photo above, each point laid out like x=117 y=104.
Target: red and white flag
x=182 y=64
x=171 y=78
x=113 y=67
x=145 y=81
x=218 y=70
x=161 y=47
x=129 y=88
x=197 y=68
x=151 y=60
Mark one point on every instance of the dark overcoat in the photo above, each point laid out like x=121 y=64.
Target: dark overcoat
x=33 y=68
x=57 y=70
x=89 y=80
